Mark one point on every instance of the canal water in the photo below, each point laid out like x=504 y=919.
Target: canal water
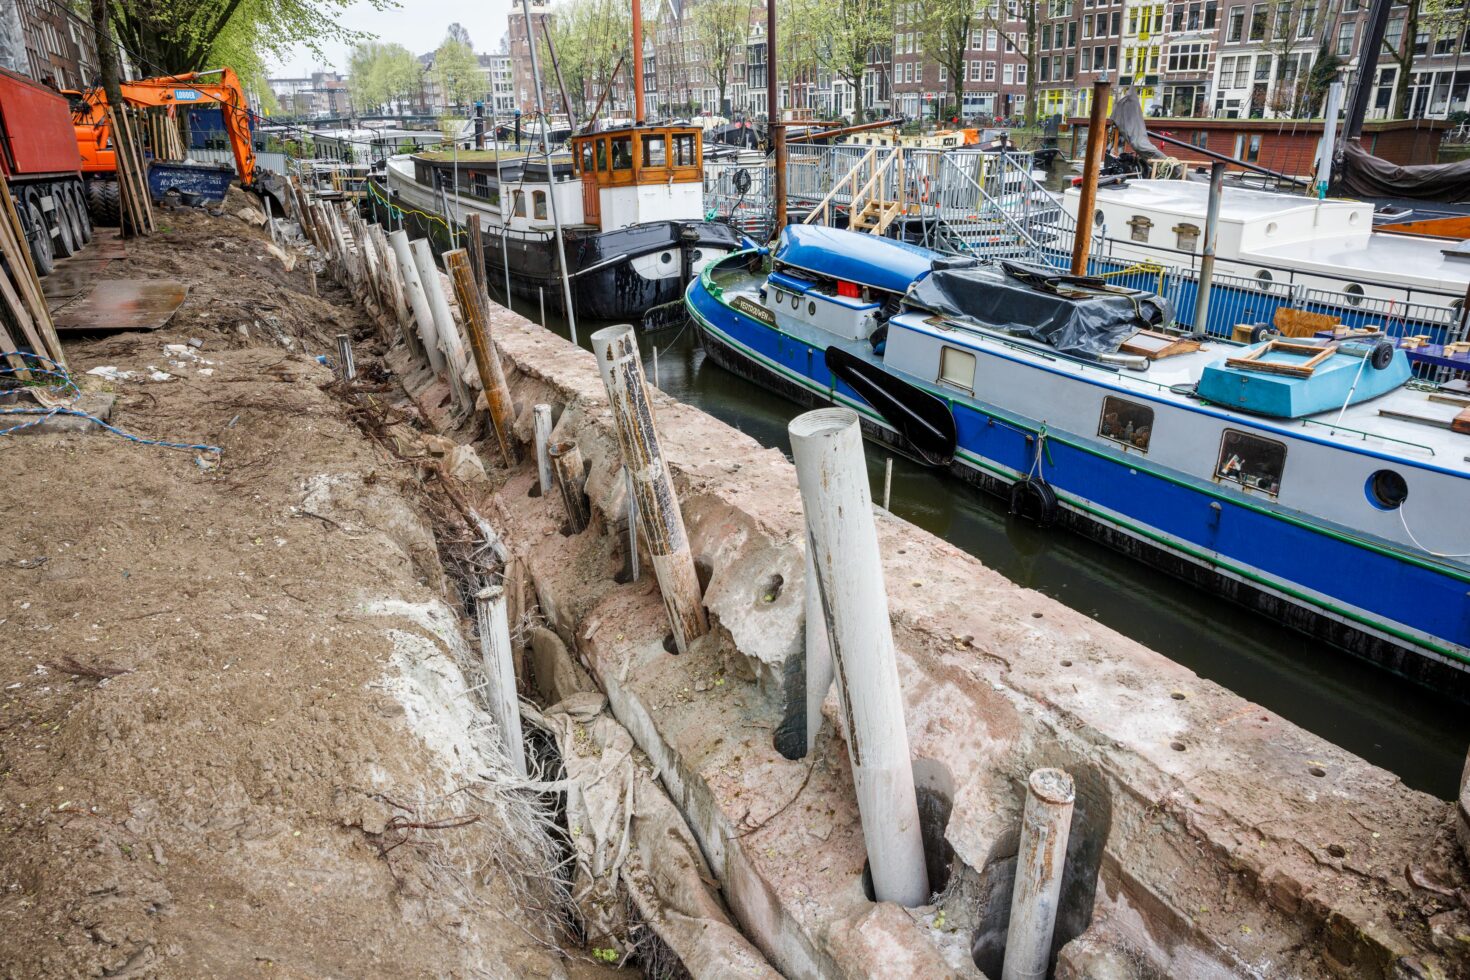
x=1407 y=729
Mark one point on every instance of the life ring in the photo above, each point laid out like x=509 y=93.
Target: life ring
x=1382 y=355
x=1034 y=500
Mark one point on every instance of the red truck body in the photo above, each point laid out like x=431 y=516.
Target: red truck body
x=36 y=128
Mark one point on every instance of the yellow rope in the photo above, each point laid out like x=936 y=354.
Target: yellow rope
x=373 y=190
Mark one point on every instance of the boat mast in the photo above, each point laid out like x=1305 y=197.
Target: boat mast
x=637 y=63
x=561 y=248
x=1367 y=69
x=778 y=133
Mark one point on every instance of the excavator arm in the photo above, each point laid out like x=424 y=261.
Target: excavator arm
x=192 y=88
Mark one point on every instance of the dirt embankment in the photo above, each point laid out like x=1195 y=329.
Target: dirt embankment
x=235 y=733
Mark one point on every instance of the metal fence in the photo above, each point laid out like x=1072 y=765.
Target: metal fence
x=274 y=162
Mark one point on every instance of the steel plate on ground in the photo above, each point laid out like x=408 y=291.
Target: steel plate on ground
x=70 y=279
x=123 y=304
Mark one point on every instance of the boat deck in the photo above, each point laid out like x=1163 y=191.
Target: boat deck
x=1404 y=422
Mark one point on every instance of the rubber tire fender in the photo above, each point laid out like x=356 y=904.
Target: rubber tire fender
x=1034 y=500
x=1382 y=355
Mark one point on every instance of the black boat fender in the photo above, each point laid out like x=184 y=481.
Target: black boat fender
x=924 y=420
x=1034 y=500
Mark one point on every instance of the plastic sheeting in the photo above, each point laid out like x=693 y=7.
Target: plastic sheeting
x=1362 y=174
x=1075 y=315
x=1128 y=117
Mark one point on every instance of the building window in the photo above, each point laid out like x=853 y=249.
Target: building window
x=957 y=367
x=1126 y=422
x=1260 y=16
x=1247 y=146
x=1188 y=236
x=520 y=200
x=1236 y=25
x=1346 y=35
x=1251 y=461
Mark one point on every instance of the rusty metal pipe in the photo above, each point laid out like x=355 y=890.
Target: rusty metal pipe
x=1097 y=124
x=661 y=523
x=827 y=446
x=1046 y=823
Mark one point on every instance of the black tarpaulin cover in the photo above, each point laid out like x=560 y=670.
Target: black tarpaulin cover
x=1363 y=174
x=1073 y=314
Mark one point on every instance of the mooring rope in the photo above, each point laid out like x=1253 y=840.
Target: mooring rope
x=69 y=390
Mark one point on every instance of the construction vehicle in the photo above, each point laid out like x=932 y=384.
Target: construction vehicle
x=42 y=165
x=94 y=131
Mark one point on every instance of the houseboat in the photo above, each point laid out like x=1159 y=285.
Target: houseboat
x=629 y=202
x=1304 y=478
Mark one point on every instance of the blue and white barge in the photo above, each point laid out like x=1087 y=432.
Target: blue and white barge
x=1311 y=480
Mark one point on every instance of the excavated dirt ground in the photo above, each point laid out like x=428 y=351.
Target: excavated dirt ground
x=203 y=766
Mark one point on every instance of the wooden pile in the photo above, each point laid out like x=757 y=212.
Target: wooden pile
x=21 y=302
x=163 y=134
x=360 y=257
x=132 y=172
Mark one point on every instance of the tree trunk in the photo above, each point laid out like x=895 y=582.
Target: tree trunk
x=1405 y=63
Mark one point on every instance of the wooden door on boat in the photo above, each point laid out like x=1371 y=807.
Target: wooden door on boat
x=591 y=206
x=591 y=157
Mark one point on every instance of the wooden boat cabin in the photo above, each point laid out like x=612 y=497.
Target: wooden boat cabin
x=638 y=174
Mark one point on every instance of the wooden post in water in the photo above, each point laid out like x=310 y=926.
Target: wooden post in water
x=662 y=525
x=827 y=447
x=1087 y=201
x=487 y=358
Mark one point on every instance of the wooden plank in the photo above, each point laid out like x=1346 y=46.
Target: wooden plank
x=1389 y=413
x=28 y=283
x=123 y=304
x=1461 y=423
x=17 y=362
x=1302 y=323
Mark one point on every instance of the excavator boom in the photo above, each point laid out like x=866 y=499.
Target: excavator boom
x=221 y=86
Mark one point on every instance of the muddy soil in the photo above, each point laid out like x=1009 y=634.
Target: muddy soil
x=212 y=761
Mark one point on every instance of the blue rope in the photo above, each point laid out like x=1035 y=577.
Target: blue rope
x=68 y=385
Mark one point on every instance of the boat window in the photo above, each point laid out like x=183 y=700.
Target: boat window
x=1251 y=461
x=1387 y=490
x=622 y=152
x=520 y=204
x=1264 y=279
x=654 y=152
x=957 y=367
x=539 y=206
x=1188 y=236
x=1354 y=294
x=1126 y=422
x=602 y=155
x=588 y=164
x=1140 y=226
x=683 y=149
x=480 y=185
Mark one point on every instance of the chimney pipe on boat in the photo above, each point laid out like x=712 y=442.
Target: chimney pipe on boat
x=1207 y=259
x=637 y=63
x=1087 y=201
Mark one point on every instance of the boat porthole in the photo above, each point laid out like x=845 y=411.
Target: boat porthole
x=811 y=309
x=1387 y=490
x=780 y=297
x=1354 y=294
x=1264 y=279
x=1271 y=228
x=1097 y=217
x=666 y=258
x=698 y=254
x=795 y=301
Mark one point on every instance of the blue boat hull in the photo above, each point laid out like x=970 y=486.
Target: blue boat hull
x=1408 y=616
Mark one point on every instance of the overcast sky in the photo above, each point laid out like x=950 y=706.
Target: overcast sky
x=418 y=25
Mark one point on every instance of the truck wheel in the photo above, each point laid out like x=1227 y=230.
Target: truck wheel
x=79 y=211
x=64 y=243
x=40 y=239
x=103 y=203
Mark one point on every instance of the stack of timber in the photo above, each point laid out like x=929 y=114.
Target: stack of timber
x=132 y=173
x=26 y=322
x=163 y=134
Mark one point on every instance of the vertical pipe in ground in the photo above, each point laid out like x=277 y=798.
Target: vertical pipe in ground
x=633 y=570
x=818 y=665
x=541 y=416
x=487 y=357
x=828 y=450
x=1207 y=258
x=566 y=459
x=500 y=673
x=418 y=300
x=661 y=523
x=444 y=325
x=1046 y=823
x=346 y=368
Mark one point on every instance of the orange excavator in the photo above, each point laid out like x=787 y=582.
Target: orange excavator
x=94 y=132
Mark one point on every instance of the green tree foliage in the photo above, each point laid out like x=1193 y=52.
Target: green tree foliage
x=591 y=36
x=171 y=36
x=382 y=76
x=1022 y=39
x=843 y=34
x=1436 y=19
x=722 y=27
x=457 y=72
x=944 y=26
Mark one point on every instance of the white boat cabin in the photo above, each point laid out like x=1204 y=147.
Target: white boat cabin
x=1327 y=244
x=640 y=174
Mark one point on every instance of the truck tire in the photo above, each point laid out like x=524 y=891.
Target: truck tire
x=103 y=203
x=39 y=238
x=79 y=210
x=64 y=243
